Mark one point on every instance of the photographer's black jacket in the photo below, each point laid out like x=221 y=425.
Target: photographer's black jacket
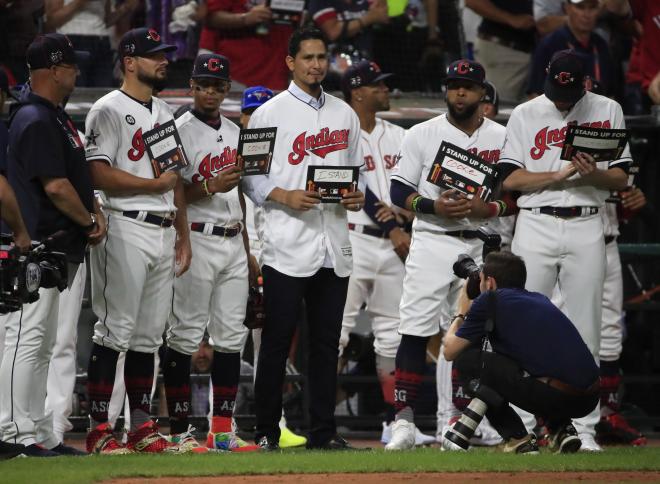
x=532 y=331
x=43 y=142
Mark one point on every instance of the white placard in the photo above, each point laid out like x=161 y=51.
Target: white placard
x=333 y=175
x=163 y=146
x=464 y=170
x=256 y=148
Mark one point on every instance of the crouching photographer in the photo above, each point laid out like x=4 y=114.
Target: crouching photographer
x=538 y=360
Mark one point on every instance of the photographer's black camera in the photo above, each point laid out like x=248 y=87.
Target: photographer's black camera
x=21 y=275
x=466 y=268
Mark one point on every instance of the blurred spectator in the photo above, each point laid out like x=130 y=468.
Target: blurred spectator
x=179 y=22
x=578 y=35
x=348 y=24
x=504 y=44
x=245 y=32
x=410 y=45
x=550 y=15
x=642 y=78
x=201 y=362
x=20 y=22
x=87 y=24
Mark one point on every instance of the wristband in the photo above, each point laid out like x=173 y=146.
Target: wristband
x=205 y=187
x=493 y=209
x=459 y=315
x=422 y=205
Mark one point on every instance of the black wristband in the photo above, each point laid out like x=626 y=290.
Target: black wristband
x=421 y=204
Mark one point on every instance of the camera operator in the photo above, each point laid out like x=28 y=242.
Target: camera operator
x=538 y=361
x=47 y=170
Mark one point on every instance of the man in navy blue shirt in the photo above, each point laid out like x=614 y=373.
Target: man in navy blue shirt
x=539 y=361
x=578 y=35
x=46 y=168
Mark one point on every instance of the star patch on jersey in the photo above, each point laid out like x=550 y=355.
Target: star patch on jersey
x=91 y=137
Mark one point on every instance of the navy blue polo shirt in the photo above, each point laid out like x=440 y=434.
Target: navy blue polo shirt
x=596 y=56
x=532 y=331
x=524 y=38
x=43 y=142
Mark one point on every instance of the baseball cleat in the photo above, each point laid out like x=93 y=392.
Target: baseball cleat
x=101 y=440
x=589 y=443
x=148 y=439
x=565 y=440
x=289 y=440
x=615 y=428
x=229 y=441
x=526 y=445
x=420 y=438
x=187 y=442
x=403 y=436
x=62 y=449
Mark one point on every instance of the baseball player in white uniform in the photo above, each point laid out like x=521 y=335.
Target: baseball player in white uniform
x=306 y=250
x=377 y=232
x=444 y=227
x=213 y=294
x=133 y=271
x=559 y=233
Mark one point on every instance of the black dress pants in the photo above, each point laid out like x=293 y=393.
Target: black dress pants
x=514 y=385
x=324 y=294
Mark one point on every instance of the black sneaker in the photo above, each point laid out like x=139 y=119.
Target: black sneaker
x=9 y=451
x=526 y=445
x=335 y=443
x=35 y=450
x=68 y=450
x=565 y=440
x=268 y=445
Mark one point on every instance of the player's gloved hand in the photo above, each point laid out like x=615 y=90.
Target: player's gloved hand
x=98 y=234
x=182 y=254
x=584 y=163
x=384 y=213
x=633 y=199
x=165 y=182
x=401 y=242
x=353 y=201
x=225 y=181
x=452 y=204
x=301 y=199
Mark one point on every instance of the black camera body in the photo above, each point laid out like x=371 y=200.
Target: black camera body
x=21 y=275
x=466 y=268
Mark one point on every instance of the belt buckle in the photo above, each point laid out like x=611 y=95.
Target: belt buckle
x=555 y=212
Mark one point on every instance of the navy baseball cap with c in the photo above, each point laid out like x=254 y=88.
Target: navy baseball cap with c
x=467 y=70
x=50 y=50
x=211 y=66
x=565 y=79
x=142 y=42
x=361 y=74
x=491 y=95
x=255 y=96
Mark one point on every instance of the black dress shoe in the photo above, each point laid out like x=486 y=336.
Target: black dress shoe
x=8 y=451
x=68 y=450
x=335 y=443
x=268 y=444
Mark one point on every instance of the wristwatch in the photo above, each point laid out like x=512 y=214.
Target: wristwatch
x=90 y=228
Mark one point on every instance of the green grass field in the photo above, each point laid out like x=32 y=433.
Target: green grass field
x=98 y=468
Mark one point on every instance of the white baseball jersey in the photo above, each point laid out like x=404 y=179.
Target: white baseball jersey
x=113 y=130
x=418 y=151
x=299 y=243
x=209 y=152
x=535 y=136
x=380 y=149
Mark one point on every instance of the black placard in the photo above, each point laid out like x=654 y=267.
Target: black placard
x=287 y=12
x=255 y=150
x=332 y=182
x=601 y=143
x=457 y=168
x=165 y=149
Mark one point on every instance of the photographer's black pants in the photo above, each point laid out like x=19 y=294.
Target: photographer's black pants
x=324 y=294
x=505 y=377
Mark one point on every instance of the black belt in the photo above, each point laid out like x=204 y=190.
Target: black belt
x=564 y=212
x=365 y=229
x=609 y=239
x=465 y=234
x=217 y=230
x=511 y=44
x=150 y=218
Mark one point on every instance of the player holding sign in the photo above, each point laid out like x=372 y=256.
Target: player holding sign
x=445 y=227
x=559 y=231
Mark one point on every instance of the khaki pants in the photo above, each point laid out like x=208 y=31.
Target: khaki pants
x=506 y=68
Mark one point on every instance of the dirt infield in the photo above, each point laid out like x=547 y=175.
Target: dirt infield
x=417 y=478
